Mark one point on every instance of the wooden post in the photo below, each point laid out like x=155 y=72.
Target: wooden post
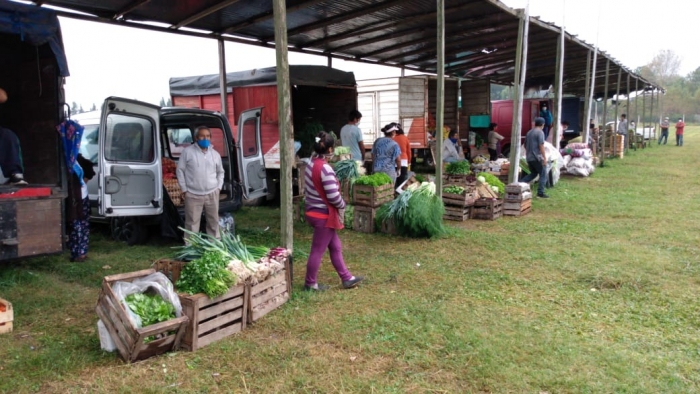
x=587 y=104
x=636 y=112
x=591 y=91
x=653 y=118
x=286 y=129
x=617 y=105
x=605 y=113
x=558 y=90
x=629 y=116
x=222 y=78
x=519 y=85
x=330 y=62
x=644 y=113
x=440 y=115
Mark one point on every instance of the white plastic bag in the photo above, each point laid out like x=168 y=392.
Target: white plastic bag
x=156 y=282
x=106 y=342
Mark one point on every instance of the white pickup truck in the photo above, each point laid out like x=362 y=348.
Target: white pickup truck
x=648 y=132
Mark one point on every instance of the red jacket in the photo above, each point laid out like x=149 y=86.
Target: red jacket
x=679 y=127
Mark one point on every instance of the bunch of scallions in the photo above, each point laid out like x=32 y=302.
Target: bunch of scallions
x=416 y=213
x=230 y=245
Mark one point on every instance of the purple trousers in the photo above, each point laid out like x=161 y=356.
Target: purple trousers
x=324 y=238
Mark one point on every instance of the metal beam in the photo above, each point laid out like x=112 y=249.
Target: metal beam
x=266 y=16
x=286 y=128
x=130 y=7
x=340 y=18
x=629 y=117
x=383 y=37
x=206 y=12
x=223 y=91
x=617 y=105
x=590 y=85
x=519 y=84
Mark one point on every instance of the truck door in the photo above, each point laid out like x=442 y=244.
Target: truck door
x=251 y=164
x=130 y=179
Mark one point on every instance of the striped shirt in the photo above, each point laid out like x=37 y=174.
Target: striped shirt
x=314 y=202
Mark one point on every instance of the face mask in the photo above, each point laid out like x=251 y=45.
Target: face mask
x=454 y=140
x=204 y=144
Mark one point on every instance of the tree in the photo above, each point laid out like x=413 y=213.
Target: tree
x=74 y=108
x=93 y=108
x=663 y=68
x=81 y=110
x=162 y=102
x=169 y=103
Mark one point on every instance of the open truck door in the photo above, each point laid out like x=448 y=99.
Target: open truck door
x=251 y=163
x=130 y=176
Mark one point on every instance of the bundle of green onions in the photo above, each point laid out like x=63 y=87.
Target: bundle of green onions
x=416 y=213
x=346 y=169
x=231 y=246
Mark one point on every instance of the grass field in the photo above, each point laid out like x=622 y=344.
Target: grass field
x=594 y=291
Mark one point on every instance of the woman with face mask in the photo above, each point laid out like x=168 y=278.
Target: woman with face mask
x=386 y=153
x=452 y=148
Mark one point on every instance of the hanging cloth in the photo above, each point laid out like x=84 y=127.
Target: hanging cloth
x=333 y=215
x=71 y=132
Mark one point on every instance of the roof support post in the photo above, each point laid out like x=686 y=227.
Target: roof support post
x=644 y=112
x=330 y=61
x=617 y=105
x=636 y=111
x=222 y=78
x=519 y=84
x=587 y=104
x=286 y=129
x=604 y=131
x=629 y=116
x=558 y=90
x=440 y=115
x=652 y=134
x=590 y=72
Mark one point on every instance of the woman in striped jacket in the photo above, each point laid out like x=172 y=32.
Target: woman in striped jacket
x=325 y=210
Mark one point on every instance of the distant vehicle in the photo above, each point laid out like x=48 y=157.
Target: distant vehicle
x=649 y=132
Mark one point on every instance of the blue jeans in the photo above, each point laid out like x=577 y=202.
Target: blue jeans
x=10 y=160
x=664 y=136
x=679 y=139
x=536 y=168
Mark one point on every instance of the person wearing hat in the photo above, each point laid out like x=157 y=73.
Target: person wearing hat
x=664 y=131
x=679 y=132
x=386 y=153
x=536 y=157
x=547 y=116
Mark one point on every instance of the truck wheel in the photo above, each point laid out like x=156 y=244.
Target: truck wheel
x=129 y=230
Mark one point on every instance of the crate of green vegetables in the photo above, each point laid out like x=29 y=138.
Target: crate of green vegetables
x=458 y=196
x=210 y=319
x=161 y=332
x=373 y=190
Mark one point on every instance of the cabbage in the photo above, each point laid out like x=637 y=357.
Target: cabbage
x=481 y=179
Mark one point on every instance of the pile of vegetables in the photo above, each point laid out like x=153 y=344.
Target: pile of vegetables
x=207 y=274
x=416 y=213
x=420 y=178
x=458 y=168
x=493 y=181
x=376 y=179
x=454 y=189
x=341 y=150
x=151 y=309
x=348 y=220
x=348 y=169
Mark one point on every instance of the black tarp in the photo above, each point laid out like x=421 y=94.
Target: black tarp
x=35 y=25
x=298 y=75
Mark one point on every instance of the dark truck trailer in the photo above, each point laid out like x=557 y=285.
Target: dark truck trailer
x=32 y=71
x=318 y=93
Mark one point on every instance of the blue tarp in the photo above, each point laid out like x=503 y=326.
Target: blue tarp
x=36 y=26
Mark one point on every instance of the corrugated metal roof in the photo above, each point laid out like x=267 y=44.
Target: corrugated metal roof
x=481 y=35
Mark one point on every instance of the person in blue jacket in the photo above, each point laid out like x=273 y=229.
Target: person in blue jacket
x=547 y=116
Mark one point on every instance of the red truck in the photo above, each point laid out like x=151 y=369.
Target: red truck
x=322 y=95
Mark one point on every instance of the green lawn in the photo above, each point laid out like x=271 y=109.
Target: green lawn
x=594 y=291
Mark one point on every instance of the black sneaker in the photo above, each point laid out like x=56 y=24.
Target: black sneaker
x=349 y=284
x=17 y=180
x=543 y=195
x=320 y=287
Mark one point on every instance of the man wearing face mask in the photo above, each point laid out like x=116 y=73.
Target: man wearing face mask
x=201 y=176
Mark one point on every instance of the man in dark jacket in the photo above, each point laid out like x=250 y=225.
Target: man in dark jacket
x=10 y=160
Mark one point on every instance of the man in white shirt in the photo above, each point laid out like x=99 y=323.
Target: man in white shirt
x=200 y=174
x=351 y=136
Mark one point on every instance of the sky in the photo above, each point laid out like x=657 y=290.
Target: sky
x=106 y=60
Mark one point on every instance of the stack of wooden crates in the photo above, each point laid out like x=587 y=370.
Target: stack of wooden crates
x=518 y=199
x=367 y=199
x=458 y=206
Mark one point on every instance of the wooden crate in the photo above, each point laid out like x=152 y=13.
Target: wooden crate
x=7 y=316
x=372 y=196
x=466 y=199
x=363 y=219
x=129 y=340
x=517 y=188
x=345 y=191
x=459 y=180
x=174 y=191
x=518 y=197
x=459 y=214
x=388 y=227
x=209 y=319
x=517 y=208
x=487 y=209
x=298 y=213
x=261 y=296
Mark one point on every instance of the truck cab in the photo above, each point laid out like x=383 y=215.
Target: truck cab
x=135 y=148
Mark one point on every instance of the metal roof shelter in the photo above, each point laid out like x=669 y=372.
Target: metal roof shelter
x=474 y=39
x=481 y=35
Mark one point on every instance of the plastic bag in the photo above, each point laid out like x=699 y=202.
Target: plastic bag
x=106 y=341
x=156 y=282
x=226 y=222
